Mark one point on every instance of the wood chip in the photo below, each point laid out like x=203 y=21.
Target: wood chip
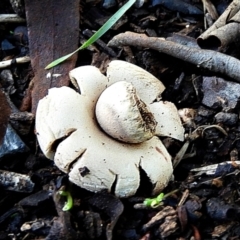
x=53 y=27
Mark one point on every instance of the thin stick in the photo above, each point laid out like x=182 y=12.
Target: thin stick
x=11 y=18
x=207 y=59
x=19 y=60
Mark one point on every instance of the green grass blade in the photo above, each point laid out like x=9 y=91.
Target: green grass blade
x=59 y=60
x=106 y=26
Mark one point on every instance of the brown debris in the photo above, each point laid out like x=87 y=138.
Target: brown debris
x=145 y=236
x=55 y=36
x=21 y=122
x=26 y=103
x=113 y=209
x=196 y=233
x=4 y=116
x=101 y=61
x=159 y=218
x=222 y=229
x=187 y=116
x=92 y=224
x=182 y=215
x=169 y=226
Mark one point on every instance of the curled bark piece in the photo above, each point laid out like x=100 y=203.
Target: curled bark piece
x=220 y=34
x=221 y=38
x=15 y=181
x=219 y=210
x=209 y=7
x=206 y=59
x=232 y=9
x=236 y=17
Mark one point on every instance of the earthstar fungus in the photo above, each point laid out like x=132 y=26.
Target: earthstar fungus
x=111 y=128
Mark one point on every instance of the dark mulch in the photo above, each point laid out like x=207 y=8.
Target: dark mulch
x=206 y=205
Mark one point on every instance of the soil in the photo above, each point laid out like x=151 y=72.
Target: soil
x=202 y=202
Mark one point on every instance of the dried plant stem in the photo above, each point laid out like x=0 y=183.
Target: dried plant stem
x=11 y=18
x=7 y=63
x=207 y=59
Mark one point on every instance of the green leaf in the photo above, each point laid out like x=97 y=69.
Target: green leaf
x=160 y=197
x=154 y=202
x=147 y=202
x=106 y=26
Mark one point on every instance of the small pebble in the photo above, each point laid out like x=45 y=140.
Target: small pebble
x=219 y=93
x=12 y=143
